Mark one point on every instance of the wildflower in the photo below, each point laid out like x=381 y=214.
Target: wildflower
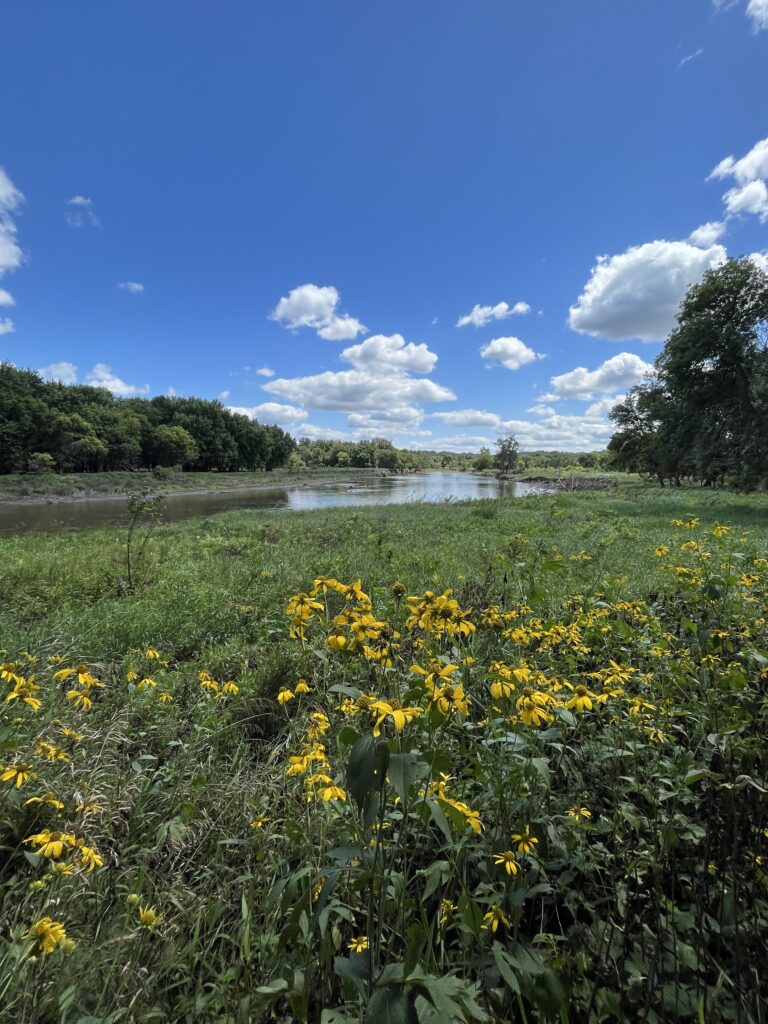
x=661 y=550
x=398 y=589
x=720 y=530
x=149 y=917
x=400 y=716
x=82 y=700
x=152 y=654
x=49 y=799
x=49 y=933
x=301 y=687
x=51 y=844
x=446 y=909
x=358 y=945
x=331 y=793
x=532 y=713
x=507 y=861
x=60 y=867
x=147 y=681
x=230 y=688
x=576 y=813
x=70 y=734
x=259 y=822
x=51 y=752
x=580 y=701
x=90 y=858
x=526 y=843
x=90 y=806
x=24 y=690
x=132 y=899
x=618 y=675
x=336 y=642
x=17 y=773
x=284 y=696
x=165 y=697
x=494 y=918
x=81 y=673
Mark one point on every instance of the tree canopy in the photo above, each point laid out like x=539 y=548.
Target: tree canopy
x=704 y=413
x=83 y=428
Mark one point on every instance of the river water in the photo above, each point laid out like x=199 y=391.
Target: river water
x=391 y=490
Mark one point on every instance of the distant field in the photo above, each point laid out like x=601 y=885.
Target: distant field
x=514 y=802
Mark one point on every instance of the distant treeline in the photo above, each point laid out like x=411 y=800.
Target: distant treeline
x=45 y=425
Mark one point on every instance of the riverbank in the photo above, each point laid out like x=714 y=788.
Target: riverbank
x=51 y=488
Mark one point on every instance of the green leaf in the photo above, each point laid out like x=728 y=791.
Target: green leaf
x=402 y=772
x=355 y=968
x=388 y=1006
x=366 y=769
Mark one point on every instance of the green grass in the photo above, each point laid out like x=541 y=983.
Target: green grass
x=652 y=910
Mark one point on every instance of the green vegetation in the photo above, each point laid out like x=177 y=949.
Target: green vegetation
x=45 y=425
x=238 y=800
x=703 y=415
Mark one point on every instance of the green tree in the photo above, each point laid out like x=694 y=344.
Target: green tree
x=506 y=453
x=173 y=446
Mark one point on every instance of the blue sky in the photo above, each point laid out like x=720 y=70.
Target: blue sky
x=196 y=192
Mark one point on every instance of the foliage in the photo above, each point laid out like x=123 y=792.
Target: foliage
x=703 y=414
x=83 y=428
x=540 y=797
x=506 y=453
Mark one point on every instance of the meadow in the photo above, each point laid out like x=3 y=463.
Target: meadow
x=493 y=761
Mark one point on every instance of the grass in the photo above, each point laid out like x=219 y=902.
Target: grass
x=652 y=908
x=68 y=486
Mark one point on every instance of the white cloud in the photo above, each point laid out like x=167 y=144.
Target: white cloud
x=101 y=376
x=750 y=167
x=265 y=371
x=509 y=352
x=390 y=352
x=64 y=373
x=469 y=418
x=749 y=198
x=707 y=234
x=272 y=412
x=615 y=374
x=309 y=305
x=689 y=58
x=135 y=287
x=637 y=293
x=757 y=10
x=80 y=213
x=482 y=315
x=760 y=259
x=6 y=326
x=171 y=392
x=358 y=391
x=10 y=201
x=388 y=421
x=222 y=396
x=602 y=406
x=6 y=299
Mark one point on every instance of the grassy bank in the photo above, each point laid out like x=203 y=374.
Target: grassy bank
x=559 y=814
x=71 y=486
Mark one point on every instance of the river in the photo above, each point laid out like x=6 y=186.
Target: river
x=83 y=514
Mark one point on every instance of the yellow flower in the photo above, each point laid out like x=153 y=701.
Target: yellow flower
x=70 y=734
x=301 y=687
x=331 y=793
x=446 y=909
x=49 y=933
x=90 y=858
x=82 y=700
x=720 y=530
x=507 y=861
x=48 y=799
x=51 y=844
x=494 y=918
x=579 y=812
x=337 y=642
x=59 y=867
x=400 y=716
x=18 y=774
x=230 y=687
x=526 y=843
x=149 y=917
x=147 y=681
x=661 y=551
x=580 y=701
x=284 y=696
x=358 y=945
x=165 y=697
x=152 y=654
x=259 y=821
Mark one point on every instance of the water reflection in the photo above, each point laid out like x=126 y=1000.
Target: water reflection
x=397 y=490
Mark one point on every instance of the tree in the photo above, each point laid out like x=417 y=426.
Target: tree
x=173 y=446
x=506 y=453
x=483 y=461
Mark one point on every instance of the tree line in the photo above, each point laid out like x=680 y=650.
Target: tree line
x=46 y=425
x=703 y=414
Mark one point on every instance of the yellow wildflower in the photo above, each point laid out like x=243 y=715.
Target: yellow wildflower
x=494 y=918
x=508 y=861
x=526 y=843
x=17 y=773
x=358 y=945
x=49 y=933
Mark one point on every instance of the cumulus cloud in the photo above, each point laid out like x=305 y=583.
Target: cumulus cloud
x=101 y=376
x=707 y=234
x=760 y=259
x=482 y=315
x=637 y=293
x=6 y=325
x=757 y=10
x=316 y=307
x=388 y=353
x=80 y=213
x=566 y=433
x=469 y=418
x=64 y=373
x=750 y=198
x=387 y=421
x=615 y=374
x=135 y=287
x=750 y=167
x=357 y=390
x=265 y=371
x=10 y=250
x=509 y=352
x=272 y=412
